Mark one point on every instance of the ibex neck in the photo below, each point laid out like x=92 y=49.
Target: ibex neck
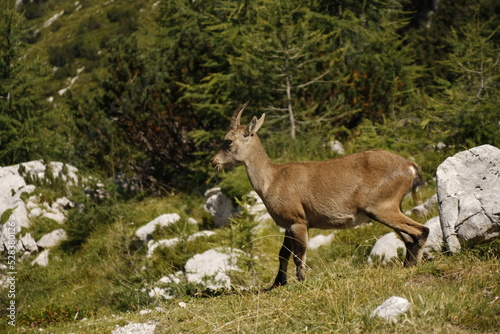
x=259 y=169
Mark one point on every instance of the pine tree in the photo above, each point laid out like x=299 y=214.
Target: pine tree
x=468 y=104
x=26 y=119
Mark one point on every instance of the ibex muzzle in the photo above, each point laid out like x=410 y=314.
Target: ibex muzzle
x=334 y=194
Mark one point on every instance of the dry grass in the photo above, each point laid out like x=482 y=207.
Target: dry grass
x=102 y=282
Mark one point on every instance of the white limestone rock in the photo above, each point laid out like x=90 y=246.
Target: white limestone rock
x=144 y=232
x=219 y=206
x=424 y=209
x=52 y=239
x=386 y=248
x=434 y=241
x=211 y=268
x=337 y=147
x=391 y=308
x=42 y=259
x=28 y=243
x=468 y=189
x=135 y=328
x=320 y=240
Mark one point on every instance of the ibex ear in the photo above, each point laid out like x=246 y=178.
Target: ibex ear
x=255 y=124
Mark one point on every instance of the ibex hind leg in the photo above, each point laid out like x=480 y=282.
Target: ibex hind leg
x=414 y=235
x=414 y=248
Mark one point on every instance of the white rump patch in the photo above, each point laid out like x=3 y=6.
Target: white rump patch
x=413 y=170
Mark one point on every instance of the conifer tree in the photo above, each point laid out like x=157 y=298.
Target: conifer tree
x=468 y=104
x=26 y=119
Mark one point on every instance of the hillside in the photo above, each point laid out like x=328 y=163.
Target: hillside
x=71 y=35
x=143 y=266
x=110 y=112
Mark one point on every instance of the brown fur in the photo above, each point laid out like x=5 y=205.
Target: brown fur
x=334 y=194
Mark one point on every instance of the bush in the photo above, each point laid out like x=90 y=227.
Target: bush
x=235 y=184
x=95 y=208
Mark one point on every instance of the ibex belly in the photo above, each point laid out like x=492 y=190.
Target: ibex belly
x=337 y=221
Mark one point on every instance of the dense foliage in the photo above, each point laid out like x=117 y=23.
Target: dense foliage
x=156 y=81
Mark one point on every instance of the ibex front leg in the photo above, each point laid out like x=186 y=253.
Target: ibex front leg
x=295 y=242
x=284 y=256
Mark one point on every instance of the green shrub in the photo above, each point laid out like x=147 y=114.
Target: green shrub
x=235 y=184
x=95 y=208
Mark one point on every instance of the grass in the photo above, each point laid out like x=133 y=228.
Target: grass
x=101 y=285
x=450 y=294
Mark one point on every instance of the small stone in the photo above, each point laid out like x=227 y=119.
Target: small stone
x=391 y=308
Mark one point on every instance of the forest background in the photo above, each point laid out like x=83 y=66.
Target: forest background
x=154 y=83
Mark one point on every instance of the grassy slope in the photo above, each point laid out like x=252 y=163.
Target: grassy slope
x=102 y=281
x=449 y=294
x=92 y=14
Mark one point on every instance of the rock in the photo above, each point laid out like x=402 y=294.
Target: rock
x=28 y=243
x=386 y=248
x=257 y=209
x=440 y=146
x=211 y=267
x=200 y=234
x=172 y=278
x=219 y=206
x=42 y=259
x=320 y=240
x=434 y=241
x=192 y=221
x=57 y=216
x=14 y=185
x=144 y=232
x=337 y=147
x=135 y=328
x=469 y=198
x=152 y=245
x=391 y=308
x=20 y=216
x=52 y=239
x=424 y=209
x=160 y=291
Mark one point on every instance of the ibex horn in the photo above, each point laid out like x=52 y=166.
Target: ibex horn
x=236 y=119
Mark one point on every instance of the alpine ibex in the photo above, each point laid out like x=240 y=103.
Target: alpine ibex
x=334 y=194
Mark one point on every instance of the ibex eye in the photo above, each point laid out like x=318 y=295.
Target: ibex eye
x=228 y=142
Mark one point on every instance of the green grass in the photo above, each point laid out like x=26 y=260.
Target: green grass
x=450 y=294
x=100 y=285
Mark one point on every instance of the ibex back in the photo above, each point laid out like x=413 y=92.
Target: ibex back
x=335 y=194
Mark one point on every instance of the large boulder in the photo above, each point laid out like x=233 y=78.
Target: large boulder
x=468 y=189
